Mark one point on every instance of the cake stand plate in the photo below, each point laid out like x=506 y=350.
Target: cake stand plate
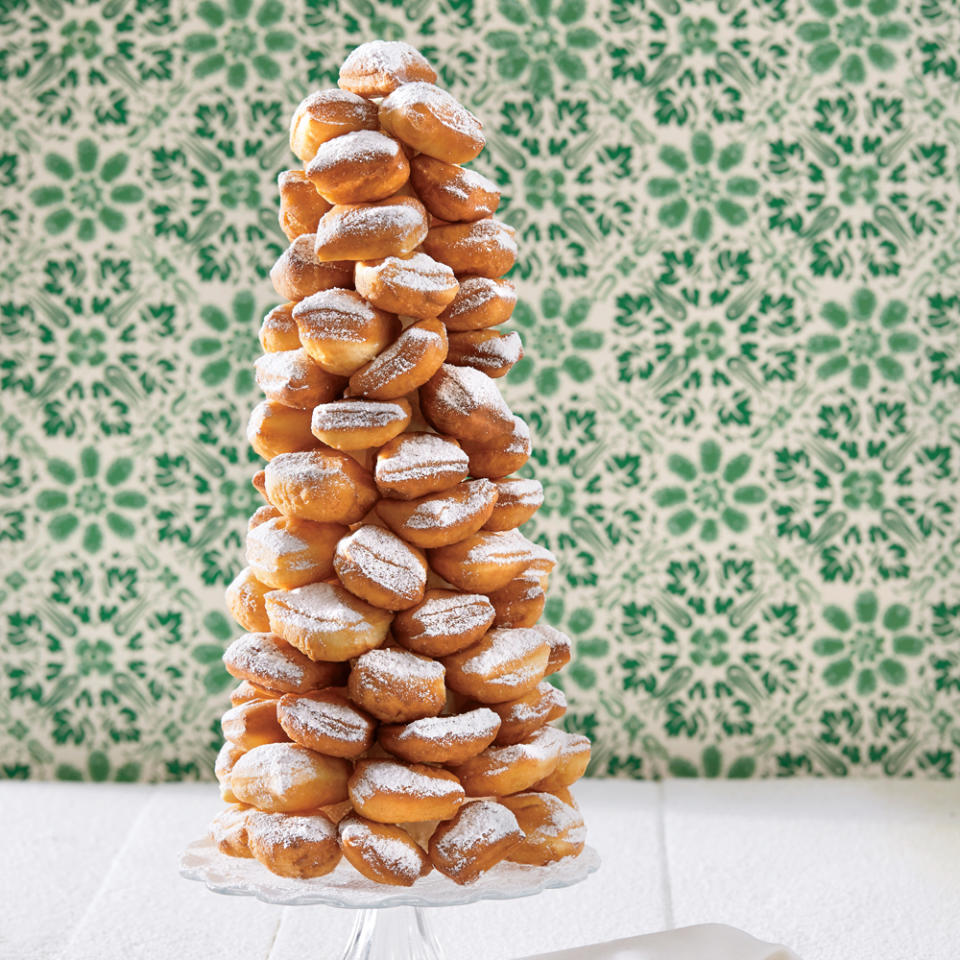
x=378 y=933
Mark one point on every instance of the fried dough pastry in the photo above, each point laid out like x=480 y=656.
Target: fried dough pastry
x=326 y=114
x=275 y=428
x=252 y=724
x=484 y=248
x=397 y=686
x=326 y=721
x=356 y=424
x=358 y=167
x=378 y=67
x=291 y=378
x=480 y=302
x=301 y=206
x=293 y=846
x=448 y=739
x=288 y=552
x=552 y=829
x=392 y=792
x=245 y=601
x=504 y=665
x=298 y=272
x=416 y=464
x=369 y=231
x=481 y=835
x=444 y=622
x=381 y=568
x=490 y=351
x=519 y=718
x=414 y=286
x=382 y=852
x=451 y=192
x=278 y=330
x=518 y=499
x=467 y=404
x=270 y=662
x=288 y=778
x=409 y=362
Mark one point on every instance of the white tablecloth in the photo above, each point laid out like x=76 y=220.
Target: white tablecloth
x=836 y=870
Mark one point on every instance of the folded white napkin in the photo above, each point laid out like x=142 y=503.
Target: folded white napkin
x=708 y=941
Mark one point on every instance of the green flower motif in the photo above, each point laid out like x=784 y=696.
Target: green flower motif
x=703 y=185
x=858 y=346
x=697 y=35
x=863 y=489
x=559 y=343
x=89 y=192
x=546 y=36
x=94 y=657
x=863 y=29
x=86 y=347
x=81 y=38
x=90 y=497
x=557 y=498
x=231 y=44
x=233 y=345
x=240 y=187
x=864 y=648
x=705 y=340
x=709 y=493
x=708 y=647
x=858 y=184
x=712 y=766
x=544 y=188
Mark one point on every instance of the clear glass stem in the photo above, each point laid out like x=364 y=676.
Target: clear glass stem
x=396 y=933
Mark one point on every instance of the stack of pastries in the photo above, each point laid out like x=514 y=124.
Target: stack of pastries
x=392 y=706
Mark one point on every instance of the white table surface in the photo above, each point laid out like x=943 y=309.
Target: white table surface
x=837 y=870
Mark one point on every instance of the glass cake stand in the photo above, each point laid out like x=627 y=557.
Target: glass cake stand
x=378 y=933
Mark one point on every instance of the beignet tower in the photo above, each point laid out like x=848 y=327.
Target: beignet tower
x=393 y=707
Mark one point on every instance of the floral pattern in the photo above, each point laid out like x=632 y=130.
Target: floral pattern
x=738 y=227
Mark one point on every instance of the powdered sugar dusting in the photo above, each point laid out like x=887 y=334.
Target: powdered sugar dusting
x=284 y=370
x=383 y=558
x=396 y=854
x=520 y=491
x=396 y=222
x=397 y=779
x=402 y=356
x=478 y=824
x=264 y=655
x=388 y=666
x=494 y=353
x=326 y=718
x=285 y=830
x=317 y=607
x=271 y=542
x=476 y=292
x=421 y=455
x=419 y=272
x=459 y=728
x=276 y=767
x=357 y=146
x=353 y=414
x=335 y=315
x=392 y=58
x=451 y=615
x=445 y=510
x=502 y=648
x=465 y=390
x=414 y=98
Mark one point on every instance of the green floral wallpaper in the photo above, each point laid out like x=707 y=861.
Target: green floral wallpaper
x=740 y=282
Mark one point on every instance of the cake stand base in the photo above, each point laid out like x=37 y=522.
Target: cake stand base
x=391 y=922
x=401 y=933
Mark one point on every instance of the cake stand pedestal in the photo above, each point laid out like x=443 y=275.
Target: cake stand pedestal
x=392 y=923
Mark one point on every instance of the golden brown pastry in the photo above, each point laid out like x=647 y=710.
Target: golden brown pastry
x=378 y=67
x=415 y=464
x=519 y=718
x=414 y=286
x=467 y=404
x=301 y=207
x=358 y=167
x=488 y=350
x=520 y=603
x=518 y=500
x=326 y=721
x=574 y=757
x=504 y=665
x=500 y=771
x=298 y=273
x=559 y=644
x=484 y=248
x=293 y=846
x=480 y=302
x=356 y=424
x=432 y=121
x=252 y=724
x=552 y=829
x=452 y=739
x=288 y=552
x=326 y=622
x=451 y=192
x=292 y=379
x=439 y=519
x=278 y=331
x=444 y=622
x=228 y=755
x=477 y=838
x=409 y=362
x=262 y=514
x=500 y=457
x=270 y=662
x=485 y=561
x=245 y=691
x=323 y=485
x=397 y=686
x=369 y=231
x=228 y=830
x=392 y=792
x=341 y=331
x=382 y=852
x=245 y=601
x=378 y=566
x=275 y=428
x=326 y=114
x=288 y=778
